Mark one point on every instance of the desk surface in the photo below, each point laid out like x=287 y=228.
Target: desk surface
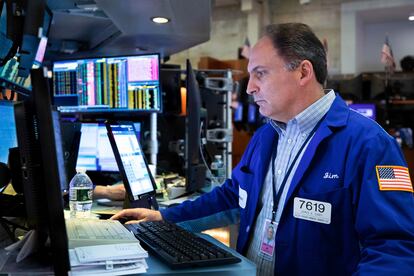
x=156 y=267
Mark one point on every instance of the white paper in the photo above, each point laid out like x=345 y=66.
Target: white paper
x=107 y=252
x=114 y=267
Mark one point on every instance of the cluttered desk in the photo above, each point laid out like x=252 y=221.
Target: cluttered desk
x=155 y=266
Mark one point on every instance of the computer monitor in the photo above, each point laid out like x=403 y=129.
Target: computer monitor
x=366 y=109
x=9 y=77
x=40 y=54
x=195 y=169
x=108 y=84
x=8 y=138
x=138 y=181
x=95 y=152
x=43 y=172
x=41 y=49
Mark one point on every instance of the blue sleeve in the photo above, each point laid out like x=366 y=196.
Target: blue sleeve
x=384 y=220
x=219 y=199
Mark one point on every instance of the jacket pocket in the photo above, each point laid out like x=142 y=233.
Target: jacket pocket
x=332 y=237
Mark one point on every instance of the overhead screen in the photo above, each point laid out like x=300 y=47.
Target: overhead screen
x=120 y=84
x=9 y=77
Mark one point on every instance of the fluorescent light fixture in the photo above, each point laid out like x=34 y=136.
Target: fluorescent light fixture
x=411 y=18
x=160 y=20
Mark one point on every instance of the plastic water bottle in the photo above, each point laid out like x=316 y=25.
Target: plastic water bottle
x=218 y=170
x=80 y=196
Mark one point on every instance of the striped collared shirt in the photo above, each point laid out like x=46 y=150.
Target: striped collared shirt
x=291 y=137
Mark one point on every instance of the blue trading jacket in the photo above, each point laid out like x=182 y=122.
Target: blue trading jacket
x=371 y=231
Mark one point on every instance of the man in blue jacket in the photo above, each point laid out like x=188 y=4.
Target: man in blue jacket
x=332 y=183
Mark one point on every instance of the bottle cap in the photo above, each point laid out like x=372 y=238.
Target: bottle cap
x=80 y=170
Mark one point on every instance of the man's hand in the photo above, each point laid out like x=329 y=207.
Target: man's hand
x=113 y=192
x=137 y=215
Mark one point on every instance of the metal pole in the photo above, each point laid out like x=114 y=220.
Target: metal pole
x=229 y=125
x=154 y=141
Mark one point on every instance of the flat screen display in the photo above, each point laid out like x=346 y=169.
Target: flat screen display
x=95 y=152
x=132 y=165
x=366 y=109
x=9 y=77
x=107 y=84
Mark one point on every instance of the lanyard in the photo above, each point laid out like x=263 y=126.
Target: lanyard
x=277 y=196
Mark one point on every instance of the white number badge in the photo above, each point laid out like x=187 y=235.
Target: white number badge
x=312 y=210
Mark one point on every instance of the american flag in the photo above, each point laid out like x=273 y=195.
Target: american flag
x=394 y=178
x=246 y=49
x=387 y=57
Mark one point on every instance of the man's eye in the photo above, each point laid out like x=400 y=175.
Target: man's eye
x=259 y=74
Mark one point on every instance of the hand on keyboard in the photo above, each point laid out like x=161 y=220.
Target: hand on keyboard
x=137 y=215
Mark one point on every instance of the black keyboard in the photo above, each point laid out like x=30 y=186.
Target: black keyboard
x=179 y=248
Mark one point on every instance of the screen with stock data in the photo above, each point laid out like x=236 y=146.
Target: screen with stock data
x=132 y=160
x=9 y=77
x=113 y=84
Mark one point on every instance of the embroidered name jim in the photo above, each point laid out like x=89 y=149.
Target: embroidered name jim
x=330 y=175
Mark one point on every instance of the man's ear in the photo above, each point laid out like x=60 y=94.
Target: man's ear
x=306 y=72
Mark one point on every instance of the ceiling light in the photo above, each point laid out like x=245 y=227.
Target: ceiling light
x=411 y=18
x=160 y=20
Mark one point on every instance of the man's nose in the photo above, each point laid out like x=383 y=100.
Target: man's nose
x=251 y=87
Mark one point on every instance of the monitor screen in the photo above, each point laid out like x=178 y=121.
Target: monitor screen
x=95 y=152
x=40 y=54
x=252 y=113
x=238 y=112
x=8 y=138
x=41 y=49
x=121 y=84
x=9 y=77
x=366 y=109
x=132 y=165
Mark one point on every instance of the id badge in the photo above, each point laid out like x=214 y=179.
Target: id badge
x=267 y=245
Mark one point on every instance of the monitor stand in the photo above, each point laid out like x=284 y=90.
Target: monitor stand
x=148 y=202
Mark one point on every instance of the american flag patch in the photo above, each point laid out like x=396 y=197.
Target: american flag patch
x=394 y=178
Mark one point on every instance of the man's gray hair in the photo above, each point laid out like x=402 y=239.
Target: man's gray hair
x=296 y=42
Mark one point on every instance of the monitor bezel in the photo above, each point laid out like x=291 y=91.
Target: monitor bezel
x=119 y=111
x=109 y=126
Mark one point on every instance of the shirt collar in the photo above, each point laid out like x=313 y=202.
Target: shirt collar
x=309 y=117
